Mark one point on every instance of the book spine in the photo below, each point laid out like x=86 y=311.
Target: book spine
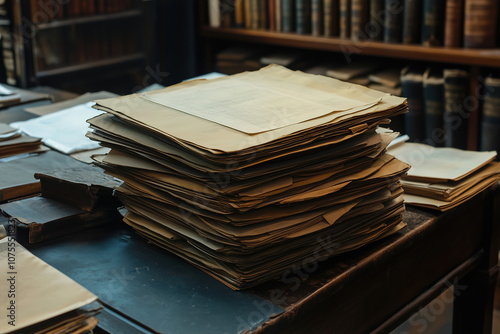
x=490 y=123
x=330 y=18
x=239 y=14
x=287 y=11
x=213 y=12
x=414 y=120
x=278 y=15
x=456 y=90
x=376 y=22
x=433 y=22
x=227 y=14
x=248 y=14
x=411 y=21
x=254 y=8
x=393 y=27
x=303 y=16
x=434 y=113
x=317 y=17
x=263 y=14
x=480 y=23
x=359 y=19
x=453 y=23
x=345 y=19
x=272 y=15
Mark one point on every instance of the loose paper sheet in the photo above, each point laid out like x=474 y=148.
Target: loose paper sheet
x=63 y=130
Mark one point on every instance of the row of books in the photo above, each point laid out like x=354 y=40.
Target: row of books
x=450 y=23
x=87 y=43
x=43 y=11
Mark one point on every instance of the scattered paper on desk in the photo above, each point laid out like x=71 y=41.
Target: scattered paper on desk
x=439 y=164
x=63 y=130
x=40 y=292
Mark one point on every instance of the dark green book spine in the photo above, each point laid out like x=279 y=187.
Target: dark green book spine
x=456 y=90
x=433 y=22
x=412 y=89
x=345 y=19
x=434 y=111
x=287 y=17
x=376 y=22
x=359 y=19
x=303 y=16
x=490 y=123
x=411 y=21
x=393 y=27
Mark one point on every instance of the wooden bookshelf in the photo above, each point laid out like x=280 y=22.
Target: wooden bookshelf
x=89 y=19
x=478 y=57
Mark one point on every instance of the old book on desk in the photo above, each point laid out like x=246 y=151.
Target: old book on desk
x=17 y=177
x=62 y=305
x=8 y=97
x=85 y=187
x=390 y=77
x=27 y=96
x=353 y=70
x=40 y=219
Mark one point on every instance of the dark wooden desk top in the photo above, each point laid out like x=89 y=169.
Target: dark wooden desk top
x=372 y=289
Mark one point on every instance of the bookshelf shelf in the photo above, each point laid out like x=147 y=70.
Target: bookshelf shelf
x=479 y=57
x=89 y=19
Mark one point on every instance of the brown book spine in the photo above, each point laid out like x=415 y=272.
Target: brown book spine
x=239 y=14
x=345 y=18
x=480 y=23
x=248 y=14
x=359 y=18
x=453 y=23
x=272 y=15
x=263 y=15
x=101 y=6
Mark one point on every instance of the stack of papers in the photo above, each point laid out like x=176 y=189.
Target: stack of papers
x=246 y=176
x=441 y=177
x=40 y=299
x=13 y=142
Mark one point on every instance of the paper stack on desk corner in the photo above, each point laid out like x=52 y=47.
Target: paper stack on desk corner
x=246 y=176
x=441 y=177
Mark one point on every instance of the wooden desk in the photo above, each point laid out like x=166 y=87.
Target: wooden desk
x=374 y=289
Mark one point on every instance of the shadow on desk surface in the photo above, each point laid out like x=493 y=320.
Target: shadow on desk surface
x=353 y=293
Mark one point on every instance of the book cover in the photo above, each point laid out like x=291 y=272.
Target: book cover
x=376 y=22
x=331 y=18
x=303 y=16
x=393 y=23
x=412 y=89
x=480 y=23
x=456 y=90
x=411 y=21
x=213 y=12
x=359 y=19
x=434 y=107
x=453 y=23
x=490 y=122
x=317 y=17
x=345 y=19
x=433 y=22
x=287 y=15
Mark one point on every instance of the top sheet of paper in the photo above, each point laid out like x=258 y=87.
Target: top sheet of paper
x=254 y=105
x=439 y=164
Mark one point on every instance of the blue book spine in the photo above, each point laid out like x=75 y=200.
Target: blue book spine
x=287 y=10
x=490 y=123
